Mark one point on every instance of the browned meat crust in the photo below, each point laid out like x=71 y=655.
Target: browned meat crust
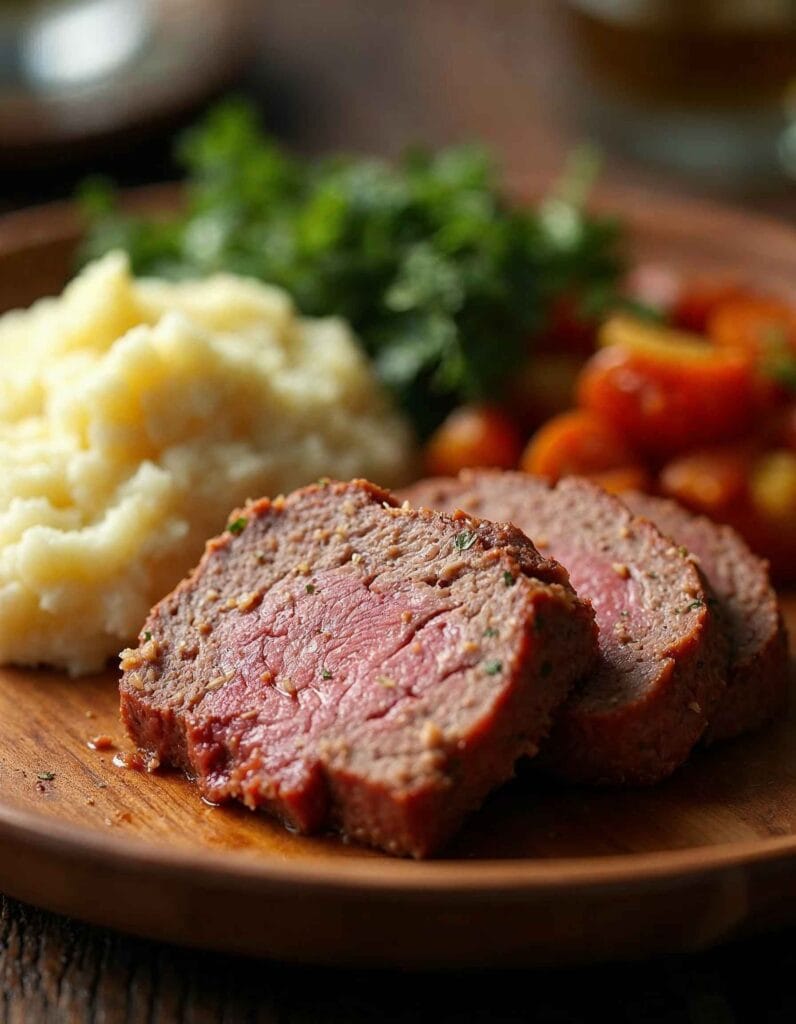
x=757 y=684
x=340 y=661
x=663 y=661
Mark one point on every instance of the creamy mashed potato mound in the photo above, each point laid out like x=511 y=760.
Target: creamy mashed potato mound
x=134 y=415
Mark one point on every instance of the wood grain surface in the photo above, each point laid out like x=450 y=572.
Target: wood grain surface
x=55 y=971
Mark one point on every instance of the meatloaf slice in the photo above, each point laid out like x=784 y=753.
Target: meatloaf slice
x=663 y=660
x=757 y=683
x=340 y=661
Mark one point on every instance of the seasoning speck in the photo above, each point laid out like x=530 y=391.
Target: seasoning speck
x=621 y=570
x=493 y=667
x=431 y=735
x=310 y=588
x=489 y=631
x=147 y=634
x=45 y=776
x=508 y=579
x=237 y=525
x=464 y=540
x=325 y=673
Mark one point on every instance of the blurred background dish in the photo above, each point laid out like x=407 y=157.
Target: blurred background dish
x=703 y=86
x=78 y=73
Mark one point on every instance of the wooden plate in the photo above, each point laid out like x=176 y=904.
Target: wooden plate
x=541 y=875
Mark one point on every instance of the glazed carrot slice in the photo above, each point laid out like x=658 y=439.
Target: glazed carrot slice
x=473 y=435
x=758 y=325
x=666 y=391
x=575 y=442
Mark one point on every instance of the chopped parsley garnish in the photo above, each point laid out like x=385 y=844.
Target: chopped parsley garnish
x=489 y=631
x=310 y=588
x=682 y=550
x=508 y=579
x=147 y=635
x=325 y=673
x=698 y=603
x=493 y=667
x=464 y=540
x=45 y=776
x=442 y=277
x=237 y=525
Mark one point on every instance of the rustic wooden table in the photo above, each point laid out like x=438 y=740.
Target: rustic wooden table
x=376 y=76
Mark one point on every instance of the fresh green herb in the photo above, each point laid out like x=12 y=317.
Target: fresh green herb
x=147 y=635
x=464 y=540
x=237 y=525
x=489 y=631
x=545 y=669
x=45 y=776
x=508 y=579
x=493 y=667
x=682 y=551
x=443 y=279
x=698 y=603
x=325 y=673
x=310 y=588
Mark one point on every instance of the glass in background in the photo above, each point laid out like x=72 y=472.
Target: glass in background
x=702 y=86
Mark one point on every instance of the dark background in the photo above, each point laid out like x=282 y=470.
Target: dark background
x=374 y=77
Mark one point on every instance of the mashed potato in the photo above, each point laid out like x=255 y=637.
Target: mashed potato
x=134 y=415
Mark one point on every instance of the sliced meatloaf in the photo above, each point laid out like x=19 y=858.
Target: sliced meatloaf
x=663 y=657
x=757 y=681
x=340 y=661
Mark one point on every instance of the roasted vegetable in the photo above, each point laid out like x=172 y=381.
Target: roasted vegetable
x=665 y=391
x=473 y=435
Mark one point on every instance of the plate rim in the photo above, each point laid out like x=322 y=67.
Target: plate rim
x=60 y=221
x=389 y=875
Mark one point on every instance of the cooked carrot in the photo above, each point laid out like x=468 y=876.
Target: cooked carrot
x=666 y=391
x=711 y=481
x=575 y=442
x=758 y=325
x=623 y=478
x=473 y=435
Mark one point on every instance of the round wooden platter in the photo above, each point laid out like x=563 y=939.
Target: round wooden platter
x=542 y=874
